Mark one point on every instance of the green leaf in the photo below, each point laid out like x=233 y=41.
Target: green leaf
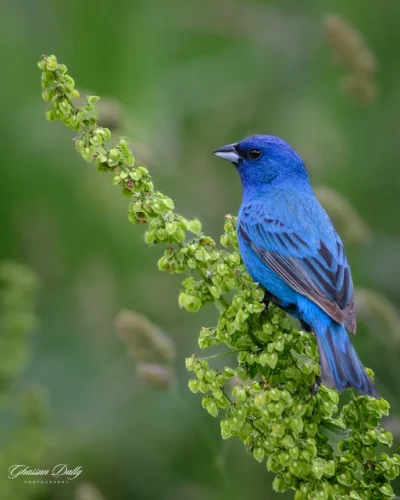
x=272 y=359
x=334 y=432
x=210 y=405
x=287 y=441
x=386 y=437
x=226 y=431
x=184 y=299
x=278 y=484
x=296 y=424
x=387 y=490
x=258 y=454
x=344 y=479
x=329 y=468
x=195 y=226
x=194 y=385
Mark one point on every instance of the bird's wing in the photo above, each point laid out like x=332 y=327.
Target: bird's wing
x=309 y=267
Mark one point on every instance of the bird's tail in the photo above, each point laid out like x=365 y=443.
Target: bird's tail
x=340 y=365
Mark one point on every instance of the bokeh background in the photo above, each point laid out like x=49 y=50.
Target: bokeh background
x=181 y=79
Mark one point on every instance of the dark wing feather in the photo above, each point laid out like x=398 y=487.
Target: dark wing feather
x=321 y=275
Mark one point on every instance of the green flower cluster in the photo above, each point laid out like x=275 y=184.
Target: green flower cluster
x=313 y=450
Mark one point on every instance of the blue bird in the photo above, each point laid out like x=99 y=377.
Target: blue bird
x=289 y=245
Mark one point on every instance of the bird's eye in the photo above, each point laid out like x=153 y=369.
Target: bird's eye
x=254 y=154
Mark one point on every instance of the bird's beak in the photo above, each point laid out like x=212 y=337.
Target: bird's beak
x=228 y=153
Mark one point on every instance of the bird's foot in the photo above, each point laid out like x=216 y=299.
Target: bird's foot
x=265 y=313
x=305 y=326
x=316 y=385
x=268 y=298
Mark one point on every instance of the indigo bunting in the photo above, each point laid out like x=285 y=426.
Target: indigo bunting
x=289 y=245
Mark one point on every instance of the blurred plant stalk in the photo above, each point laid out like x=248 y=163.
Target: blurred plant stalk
x=351 y=51
x=88 y=491
x=344 y=216
x=149 y=346
x=28 y=441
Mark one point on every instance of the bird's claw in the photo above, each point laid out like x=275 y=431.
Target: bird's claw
x=316 y=385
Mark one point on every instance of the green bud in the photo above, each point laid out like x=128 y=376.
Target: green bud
x=387 y=490
x=226 y=431
x=51 y=63
x=386 y=437
x=201 y=254
x=50 y=115
x=287 y=441
x=279 y=485
x=228 y=373
x=190 y=303
x=317 y=470
x=194 y=385
x=278 y=430
x=344 y=479
x=195 y=226
x=296 y=424
x=191 y=263
x=170 y=227
x=96 y=140
x=209 y=375
x=210 y=405
x=179 y=236
x=258 y=454
x=92 y=99
x=271 y=359
x=239 y=393
x=190 y=363
x=149 y=238
x=184 y=299
x=65 y=107
x=215 y=291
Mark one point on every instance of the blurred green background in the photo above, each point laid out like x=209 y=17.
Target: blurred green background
x=189 y=76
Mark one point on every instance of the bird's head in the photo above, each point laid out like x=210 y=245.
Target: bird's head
x=264 y=159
